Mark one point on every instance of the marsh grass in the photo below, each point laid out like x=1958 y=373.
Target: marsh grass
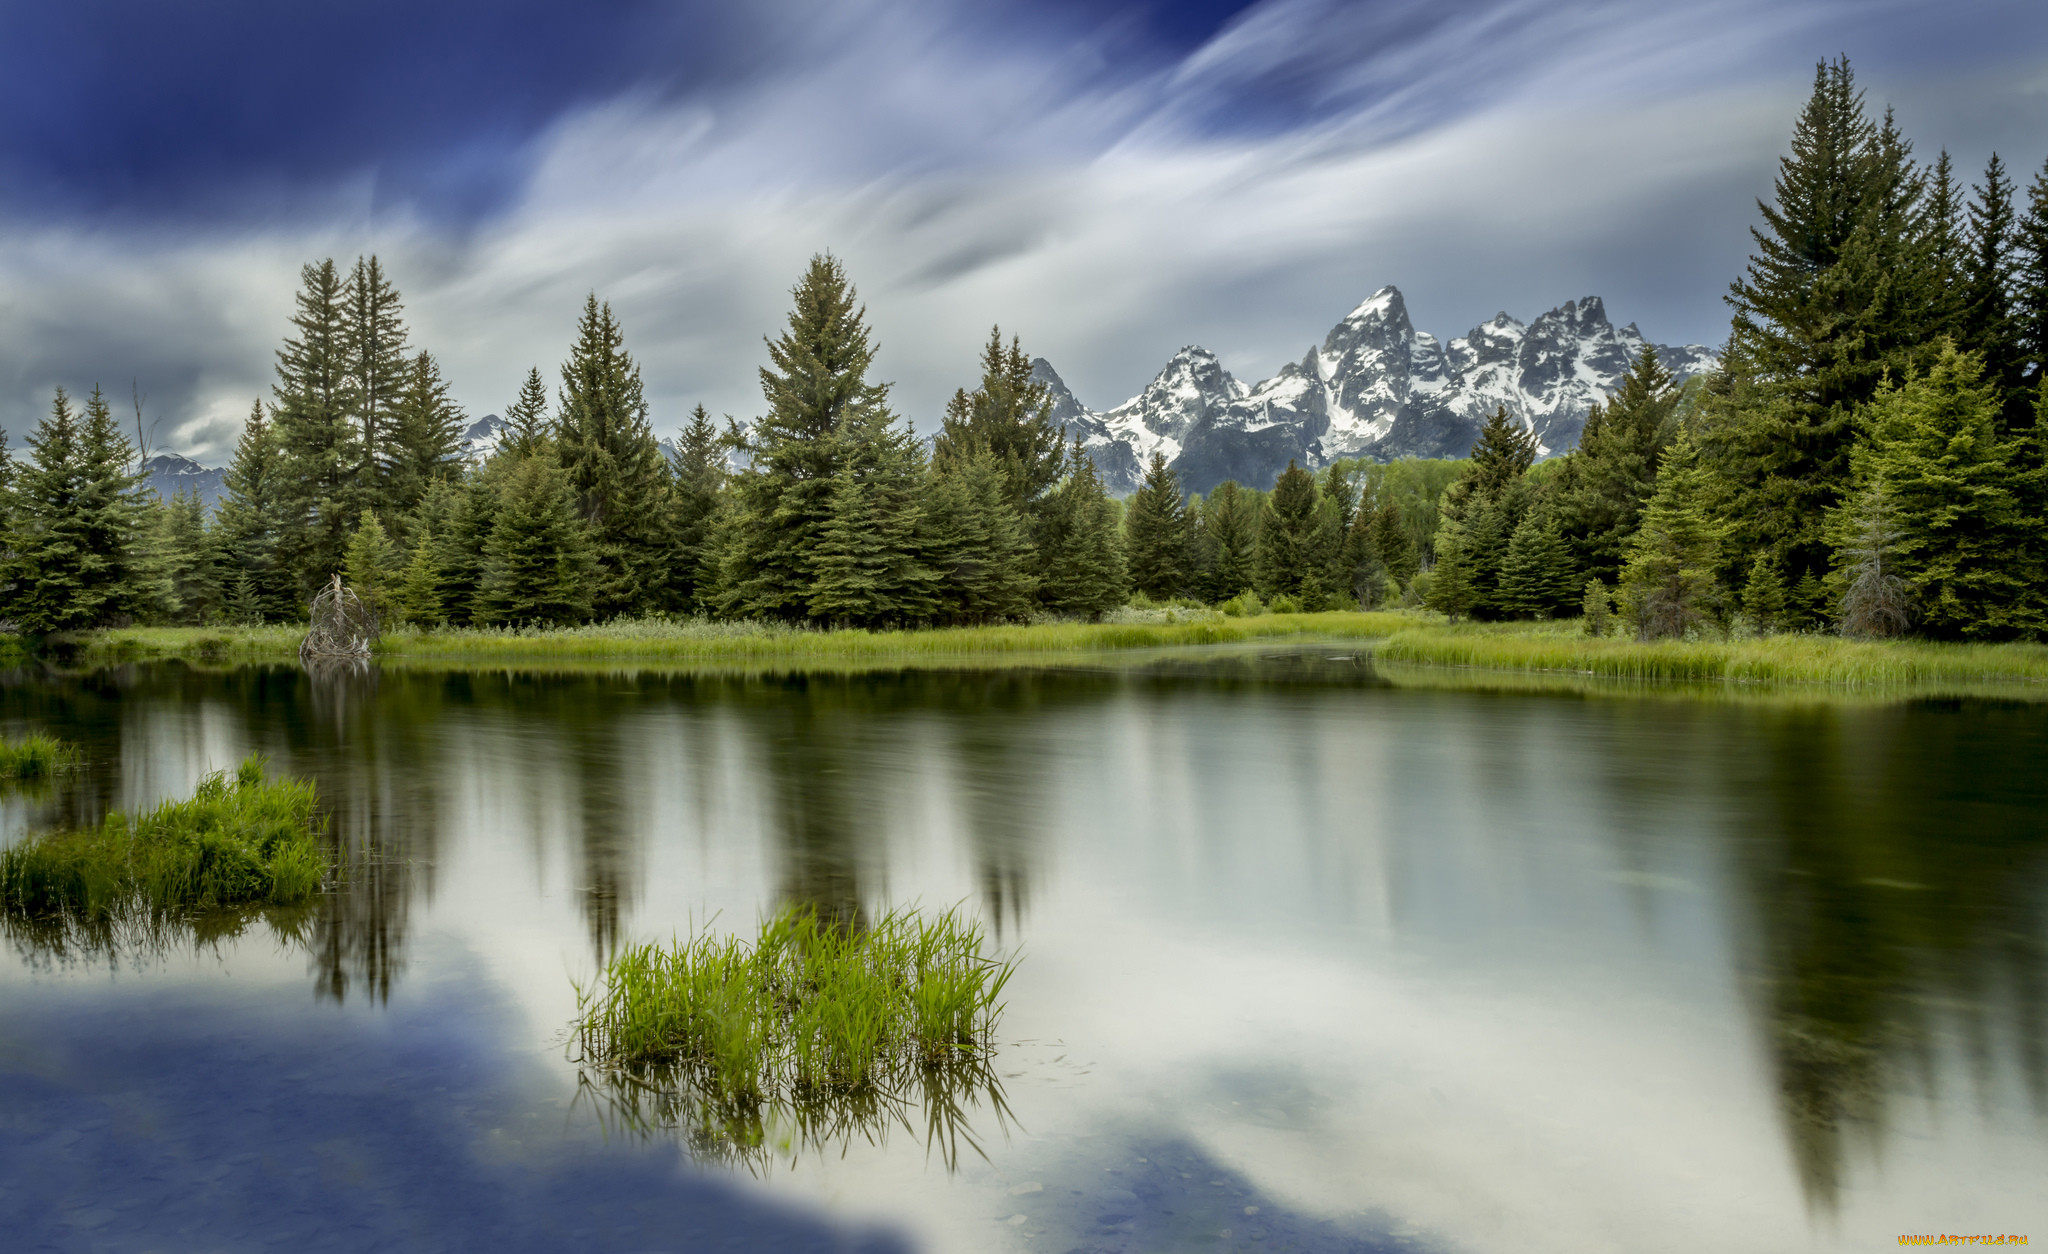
x=1781 y=659
x=36 y=756
x=808 y=1034
x=242 y=841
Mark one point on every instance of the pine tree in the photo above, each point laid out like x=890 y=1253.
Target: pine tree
x=1989 y=327
x=1669 y=582
x=613 y=462
x=459 y=518
x=537 y=561
x=1336 y=503
x=375 y=369
x=426 y=435
x=1613 y=470
x=698 y=475
x=976 y=544
x=419 y=584
x=1231 y=529
x=321 y=448
x=526 y=418
x=1156 y=533
x=184 y=562
x=1764 y=595
x=1943 y=253
x=1452 y=587
x=1009 y=417
x=1874 y=600
x=869 y=567
x=253 y=522
x=1957 y=491
x=371 y=566
x=819 y=400
x=2030 y=285
x=78 y=513
x=1596 y=609
x=1538 y=578
x=1288 y=559
x=1364 y=571
x=1396 y=547
x=1081 y=562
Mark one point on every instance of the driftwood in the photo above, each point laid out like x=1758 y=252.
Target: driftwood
x=344 y=626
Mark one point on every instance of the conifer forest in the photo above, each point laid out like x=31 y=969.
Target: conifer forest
x=1870 y=456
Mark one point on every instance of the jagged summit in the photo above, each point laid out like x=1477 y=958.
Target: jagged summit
x=1376 y=387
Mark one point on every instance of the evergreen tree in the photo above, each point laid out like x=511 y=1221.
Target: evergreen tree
x=1336 y=503
x=869 y=568
x=1081 y=563
x=1874 y=600
x=1764 y=595
x=1156 y=533
x=1288 y=557
x=2030 y=285
x=426 y=435
x=976 y=544
x=613 y=462
x=78 y=511
x=252 y=525
x=458 y=519
x=1614 y=468
x=1596 y=609
x=1231 y=529
x=1363 y=570
x=537 y=562
x=1009 y=417
x=1989 y=327
x=1538 y=578
x=375 y=369
x=320 y=446
x=184 y=562
x=1957 y=490
x=1944 y=254
x=419 y=584
x=526 y=418
x=1390 y=537
x=820 y=406
x=371 y=566
x=1669 y=581
x=1453 y=590
x=699 y=474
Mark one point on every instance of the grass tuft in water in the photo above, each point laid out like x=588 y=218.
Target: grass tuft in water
x=35 y=756
x=829 y=1028
x=246 y=839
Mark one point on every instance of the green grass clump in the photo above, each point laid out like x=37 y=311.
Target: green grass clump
x=35 y=756
x=1788 y=659
x=242 y=840
x=807 y=1008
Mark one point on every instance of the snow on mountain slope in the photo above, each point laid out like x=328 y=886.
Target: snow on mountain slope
x=1376 y=387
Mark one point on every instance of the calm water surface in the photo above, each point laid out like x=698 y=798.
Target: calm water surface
x=1311 y=961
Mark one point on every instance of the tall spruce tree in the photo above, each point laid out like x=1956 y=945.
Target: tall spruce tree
x=1289 y=559
x=1613 y=470
x=182 y=565
x=698 y=475
x=1396 y=547
x=321 y=447
x=820 y=406
x=1080 y=555
x=2030 y=285
x=253 y=522
x=1990 y=328
x=1669 y=583
x=976 y=543
x=79 y=509
x=537 y=562
x=613 y=462
x=426 y=435
x=375 y=370
x=1231 y=528
x=1009 y=417
x=1538 y=578
x=1156 y=533
x=869 y=568
x=1957 y=491
x=1944 y=252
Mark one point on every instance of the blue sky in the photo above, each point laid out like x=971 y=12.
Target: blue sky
x=1109 y=181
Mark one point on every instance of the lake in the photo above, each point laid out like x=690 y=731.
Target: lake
x=1313 y=957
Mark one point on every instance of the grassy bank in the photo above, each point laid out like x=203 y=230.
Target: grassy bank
x=689 y=642
x=245 y=839
x=1789 y=659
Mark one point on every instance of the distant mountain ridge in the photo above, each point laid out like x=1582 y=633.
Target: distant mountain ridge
x=170 y=474
x=1375 y=388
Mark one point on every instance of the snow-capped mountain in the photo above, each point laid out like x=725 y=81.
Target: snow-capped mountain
x=1375 y=388
x=171 y=474
x=481 y=439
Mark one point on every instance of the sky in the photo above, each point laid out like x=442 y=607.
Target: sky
x=1108 y=182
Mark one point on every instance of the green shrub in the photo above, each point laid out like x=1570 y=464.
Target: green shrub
x=1245 y=604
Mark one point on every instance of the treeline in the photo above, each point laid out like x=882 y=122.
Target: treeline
x=1870 y=455
x=827 y=510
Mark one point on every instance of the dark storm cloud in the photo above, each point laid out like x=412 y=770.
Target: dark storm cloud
x=1110 y=182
